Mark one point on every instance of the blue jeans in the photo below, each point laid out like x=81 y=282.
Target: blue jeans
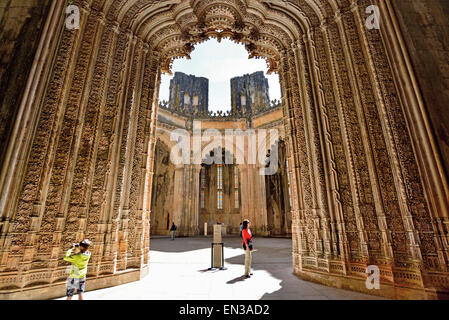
x=172 y=235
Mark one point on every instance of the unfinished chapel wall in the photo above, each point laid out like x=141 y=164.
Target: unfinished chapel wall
x=85 y=168
x=426 y=34
x=211 y=192
x=21 y=25
x=361 y=116
x=163 y=191
x=278 y=197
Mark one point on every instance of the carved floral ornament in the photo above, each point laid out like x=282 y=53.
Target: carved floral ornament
x=174 y=27
x=217 y=21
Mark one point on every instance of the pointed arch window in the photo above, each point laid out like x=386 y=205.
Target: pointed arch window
x=203 y=187
x=236 y=177
x=203 y=178
x=186 y=99
x=236 y=188
x=219 y=187
x=220 y=199
x=219 y=177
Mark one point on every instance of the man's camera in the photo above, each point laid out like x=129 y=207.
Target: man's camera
x=76 y=246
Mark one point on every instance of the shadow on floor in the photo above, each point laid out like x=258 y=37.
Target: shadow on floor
x=274 y=256
x=238 y=279
x=261 y=262
x=271 y=255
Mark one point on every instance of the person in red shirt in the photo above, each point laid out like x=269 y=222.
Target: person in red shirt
x=247 y=246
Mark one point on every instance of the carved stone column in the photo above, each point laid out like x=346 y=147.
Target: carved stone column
x=261 y=202
x=195 y=200
x=178 y=205
x=244 y=189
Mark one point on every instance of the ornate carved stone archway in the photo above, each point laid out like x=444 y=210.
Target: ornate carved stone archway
x=364 y=192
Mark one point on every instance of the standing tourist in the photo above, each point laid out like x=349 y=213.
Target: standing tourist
x=172 y=231
x=247 y=246
x=79 y=256
x=241 y=228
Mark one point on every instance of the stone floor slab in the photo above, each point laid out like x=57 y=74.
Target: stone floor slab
x=179 y=271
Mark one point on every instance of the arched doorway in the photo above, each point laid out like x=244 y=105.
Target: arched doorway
x=219 y=191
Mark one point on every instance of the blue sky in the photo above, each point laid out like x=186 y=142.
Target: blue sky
x=219 y=62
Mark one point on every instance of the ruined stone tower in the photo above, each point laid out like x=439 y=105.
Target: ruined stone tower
x=189 y=93
x=249 y=93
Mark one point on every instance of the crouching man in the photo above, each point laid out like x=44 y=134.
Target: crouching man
x=79 y=257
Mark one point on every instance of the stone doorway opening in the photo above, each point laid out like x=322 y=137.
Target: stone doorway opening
x=228 y=188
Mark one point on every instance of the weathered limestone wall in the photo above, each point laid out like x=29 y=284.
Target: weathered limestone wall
x=279 y=220
x=177 y=189
x=349 y=158
x=162 y=211
x=254 y=88
x=86 y=144
x=194 y=87
x=21 y=24
x=425 y=27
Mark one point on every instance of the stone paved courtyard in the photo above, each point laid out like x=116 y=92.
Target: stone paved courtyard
x=178 y=271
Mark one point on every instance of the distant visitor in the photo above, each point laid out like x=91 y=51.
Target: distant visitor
x=247 y=246
x=172 y=231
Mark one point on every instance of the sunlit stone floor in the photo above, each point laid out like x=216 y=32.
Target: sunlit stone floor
x=178 y=271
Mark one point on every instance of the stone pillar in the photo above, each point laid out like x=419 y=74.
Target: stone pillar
x=261 y=201
x=250 y=209
x=190 y=208
x=179 y=198
x=195 y=200
x=244 y=189
x=253 y=197
x=186 y=195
